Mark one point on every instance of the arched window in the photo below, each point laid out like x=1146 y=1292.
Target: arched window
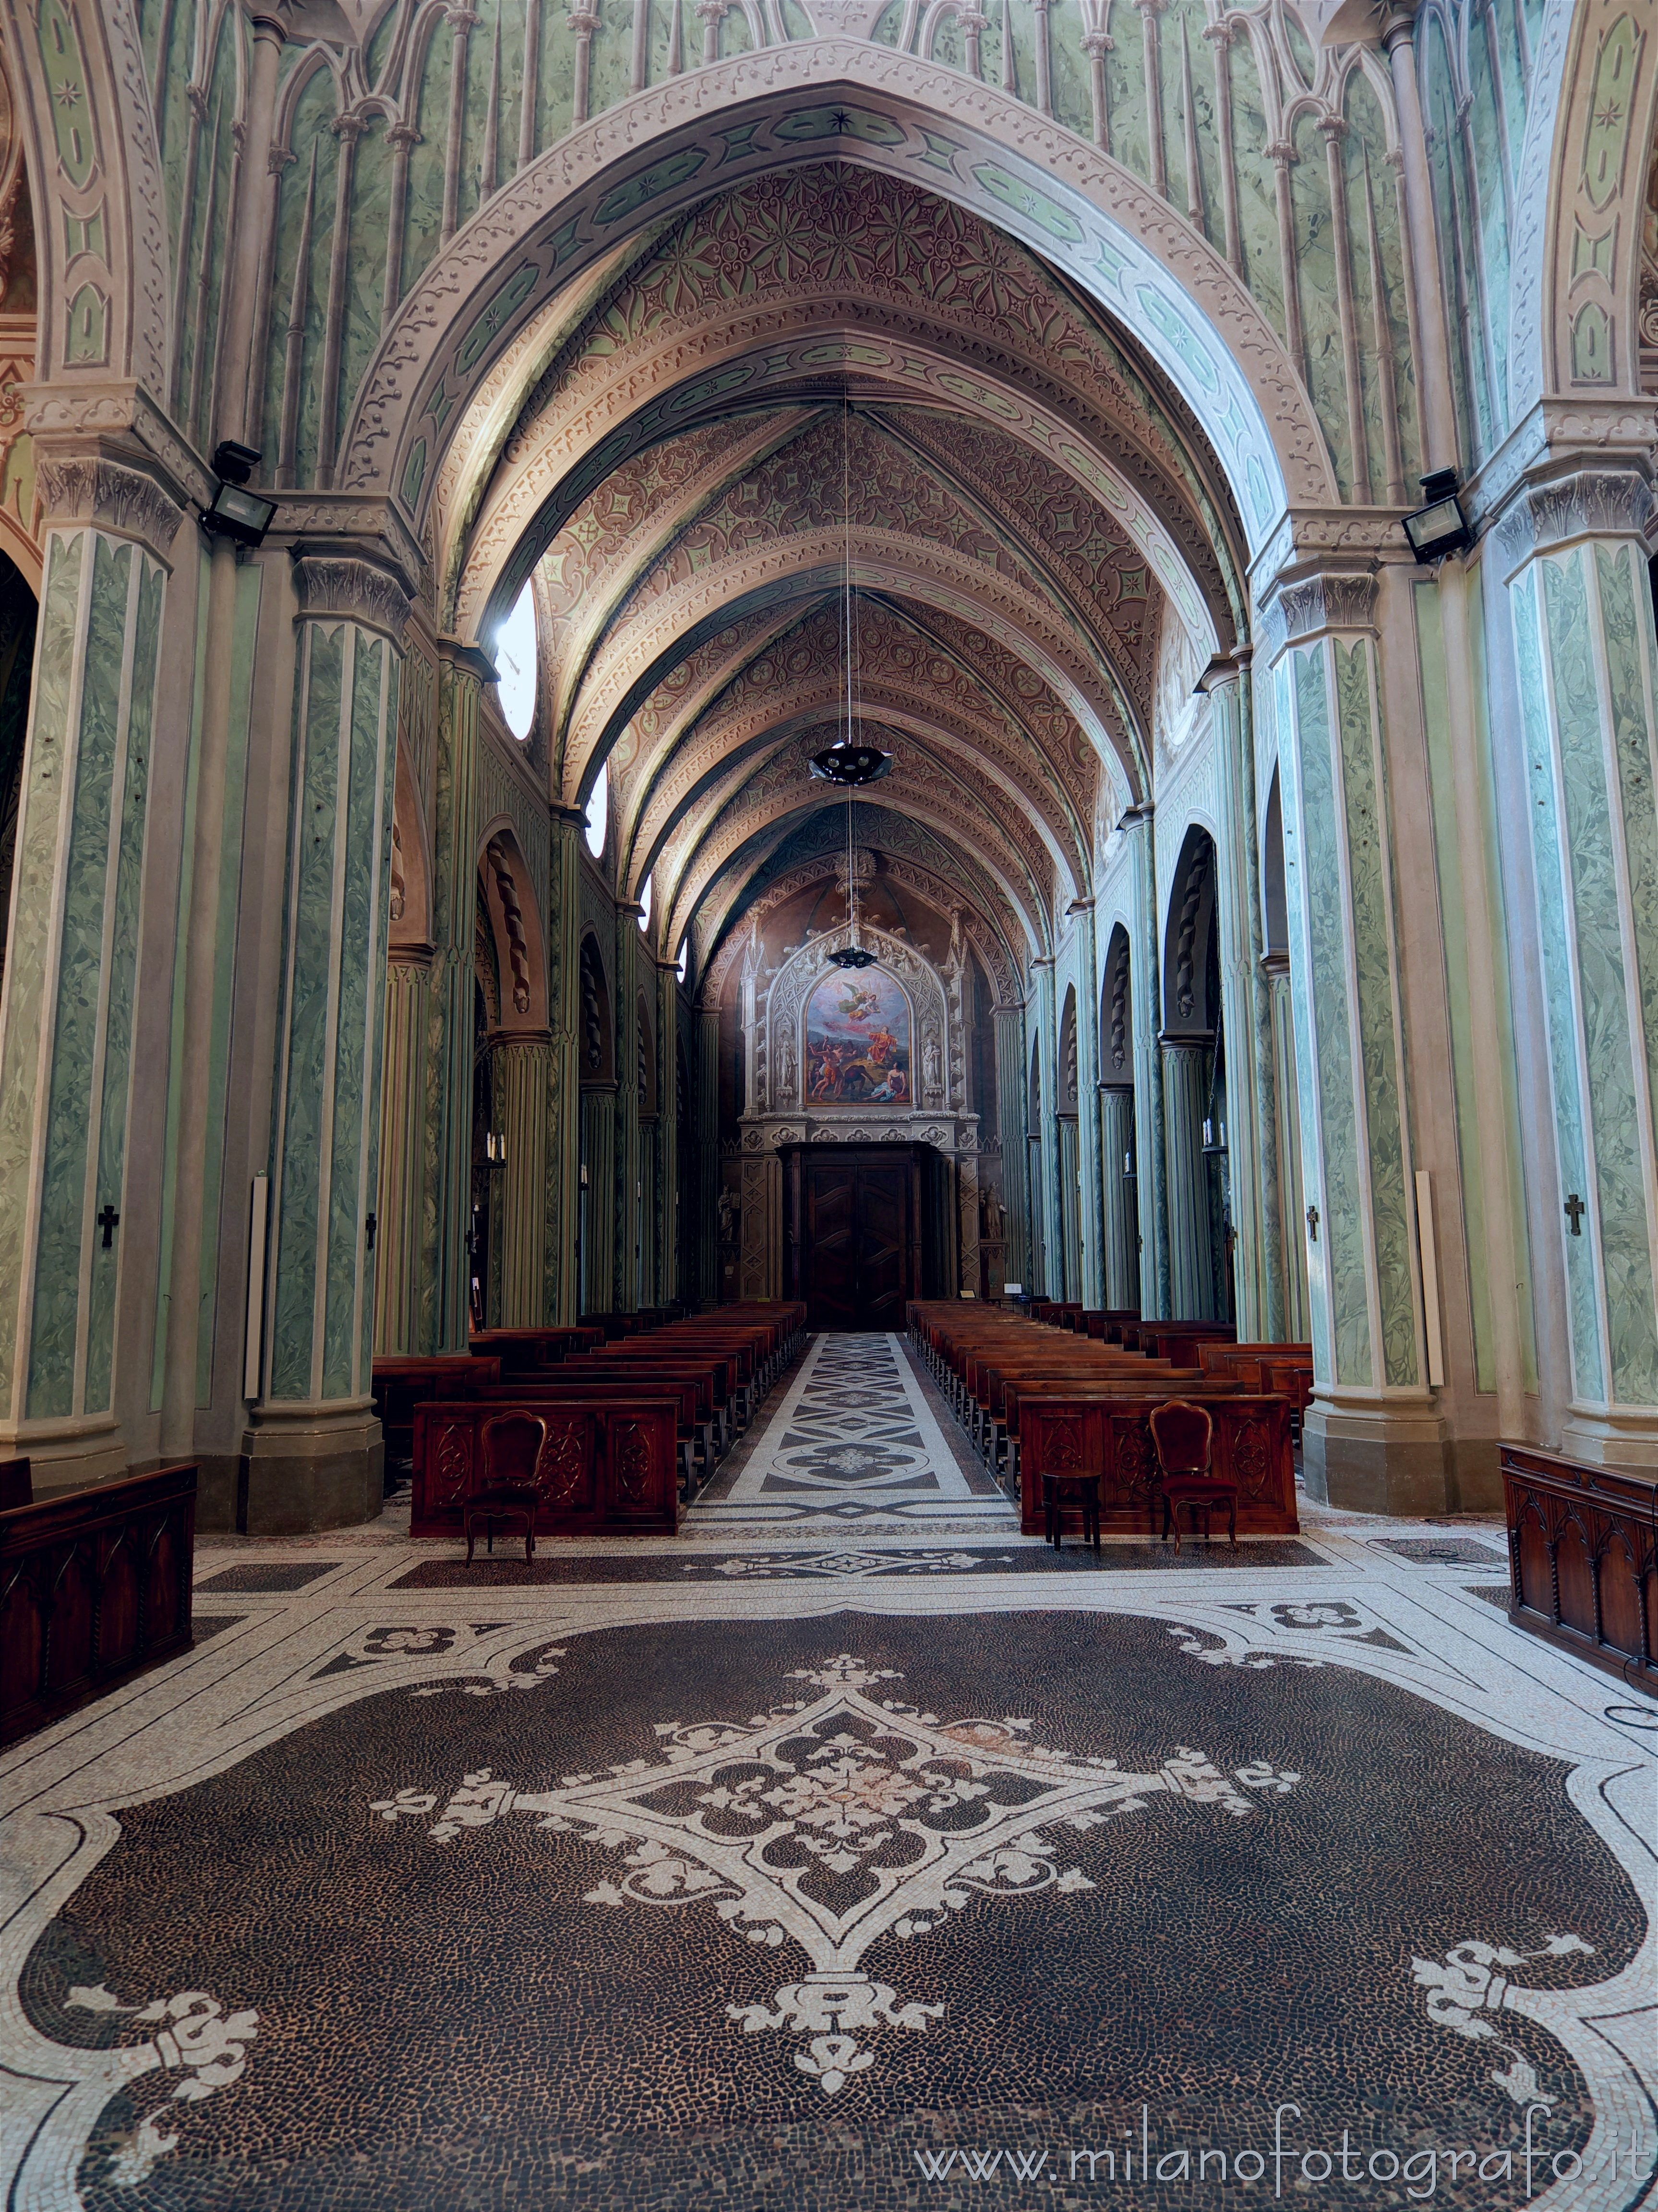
x=599 y=809
x=515 y=657
x=644 y=903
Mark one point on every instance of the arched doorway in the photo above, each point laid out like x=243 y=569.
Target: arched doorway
x=1193 y=1066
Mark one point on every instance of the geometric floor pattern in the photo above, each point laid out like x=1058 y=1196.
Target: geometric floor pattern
x=771 y=1867
x=854 y=1441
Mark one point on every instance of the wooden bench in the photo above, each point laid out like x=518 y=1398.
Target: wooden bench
x=95 y=1587
x=612 y=1463
x=1058 y=1435
x=401 y=1384
x=1583 y=1558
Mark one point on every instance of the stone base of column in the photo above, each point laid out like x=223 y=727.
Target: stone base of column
x=1362 y=1457
x=304 y=1467
x=1612 y=1439
x=65 y=1455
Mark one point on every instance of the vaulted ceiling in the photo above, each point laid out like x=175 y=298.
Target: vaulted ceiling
x=831 y=372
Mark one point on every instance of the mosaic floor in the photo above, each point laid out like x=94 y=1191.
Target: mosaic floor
x=795 y=1864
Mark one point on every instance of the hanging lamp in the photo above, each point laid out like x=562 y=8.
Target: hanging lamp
x=847 y=763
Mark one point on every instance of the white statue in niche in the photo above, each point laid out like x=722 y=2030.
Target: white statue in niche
x=786 y=1073
x=931 y=1065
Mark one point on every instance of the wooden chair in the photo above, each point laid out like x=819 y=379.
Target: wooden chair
x=511 y=1447
x=1182 y=1435
x=1088 y=1489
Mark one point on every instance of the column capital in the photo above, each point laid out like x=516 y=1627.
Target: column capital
x=335 y=577
x=415 y=954
x=1302 y=607
x=1185 y=1040
x=471 y=659
x=1548 y=512
x=92 y=488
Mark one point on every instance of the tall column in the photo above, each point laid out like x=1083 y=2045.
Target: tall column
x=1090 y=1203
x=1433 y=354
x=66 y=1028
x=561 y=1190
x=239 y=370
x=1045 y=1198
x=313 y=1456
x=706 y=1126
x=1070 y=1203
x=628 y=1179
x=1296 y=1327
x=669 y=1227
x=522 y=1063
x=599 y=1196
x=1122 y=1259
x=400 y=1238
x=1191 y=1248
x=463 y=672
x=1588 y=687
x=1251 y=1136
x=1145 y=989
x=1374 y=1439
x=1012 y=1075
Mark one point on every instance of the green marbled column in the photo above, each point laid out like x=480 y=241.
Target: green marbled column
x=1297 y=1323
x=1374 y=1439
x=1191 y=1253
x=625 y=1297
x=399 y=1245
x=66 y=1053
x=463 y=672
x=1122 y=1259
x=708 y=1153
x=1070 y=1200
x=561 y=1198
x=325 y=1155
x=1588 y=689
x=521 y=1068
x=1012 y=1073
x=667 y=1128
x=1047 y=1221
x=1251 y=1131
x=1145 y=997
x=599 y=1159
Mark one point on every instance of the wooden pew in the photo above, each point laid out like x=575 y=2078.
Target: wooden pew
x=527 y=1350
x=1059 y=1435
x=402 y=1384
x=1178 y=1339
x=610 y=1463
x=1583 y=1560
x=95 y=1587
x=693 y=1433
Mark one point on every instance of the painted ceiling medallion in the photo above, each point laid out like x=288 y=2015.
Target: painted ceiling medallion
x=835 y=1820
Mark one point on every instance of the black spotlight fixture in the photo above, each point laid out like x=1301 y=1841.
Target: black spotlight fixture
x=236 y=513
x=850 y=765
x=1438 y=526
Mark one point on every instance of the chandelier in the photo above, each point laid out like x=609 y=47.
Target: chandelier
x=846 y=762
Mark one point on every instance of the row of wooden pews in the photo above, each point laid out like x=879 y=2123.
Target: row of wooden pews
x=634 y=1422
x=1048 y=1395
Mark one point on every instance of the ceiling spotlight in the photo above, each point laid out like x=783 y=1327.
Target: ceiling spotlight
x=234 y=512
x=849 y=764
x=851 y=956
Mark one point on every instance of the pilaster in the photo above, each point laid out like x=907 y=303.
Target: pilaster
x=521 y=1065
x=399 y=1244
x=1575 y=560
x=1012 y=1077
x=1122 y=1259
x=1374 y=1438
x=462 y=674
x=1191 y=1248
x=67 y=1013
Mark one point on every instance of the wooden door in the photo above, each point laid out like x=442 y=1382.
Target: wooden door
x=859 y=1242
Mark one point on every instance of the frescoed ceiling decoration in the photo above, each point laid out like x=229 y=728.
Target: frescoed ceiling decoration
x=823 y=366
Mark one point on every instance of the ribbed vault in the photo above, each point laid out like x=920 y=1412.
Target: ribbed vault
x=822 y=380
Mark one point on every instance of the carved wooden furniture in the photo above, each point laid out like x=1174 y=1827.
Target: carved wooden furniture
x=95 y=1587
x=612 y=1465
x=14 y=1486
x=1087 y=1488
x=509 y=1445
x=1583 y=1558
x=1251 y=1448
x=1182 y=1435
x=402 y=1384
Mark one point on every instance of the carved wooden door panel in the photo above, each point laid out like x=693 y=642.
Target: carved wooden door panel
x=830 y=1257
x=883 y=1236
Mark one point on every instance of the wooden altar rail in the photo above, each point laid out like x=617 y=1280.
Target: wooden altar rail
x=95 y=1587
x=1583 y=1558
x=1059 y=1435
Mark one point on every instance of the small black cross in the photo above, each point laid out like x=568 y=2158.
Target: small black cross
x=1574 y=1210
x=1312 y=1222
x=109 y=1221
x=371 y=1224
